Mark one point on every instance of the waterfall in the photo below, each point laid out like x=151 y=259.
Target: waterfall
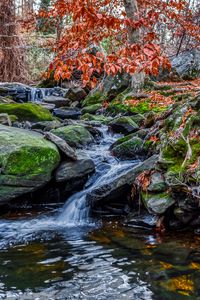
x=76 y=211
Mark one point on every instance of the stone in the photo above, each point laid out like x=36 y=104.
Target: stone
x=116 y=186
x=76 y=94
x=94 y=98
x=157 y=203
x=26 y=162
x=123 y=125
x=75 y=135
x=98 y=118
x=5 y=119
x=157 y=183
x=91 y=109
x=62 y=145
x=129 y=149
x=187 y=64
x=67 y=113
x=57 y=101
x=69 y=171
x=46 y=125
x=27 y=112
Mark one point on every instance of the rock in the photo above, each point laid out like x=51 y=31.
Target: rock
x=91 y=109
x=69 y=171
x=48 y=106
x=62 y=145
x=74 y=135
x=157 y=203
x=187 y=64
x=129 y=149
x=75 y=104
x=57 y=101
x=142 y=133
x=112 y=86
x=46 y=125
x=5 y=119
x=5 y=100
x=157 y=183
x=98 y=118
x=123 y=125
x=138 y=119
x=67 y=113
x=144 y=220
x=26 y=162
x=76 y=94
x=27 y=112
x=116 y=186
x=93 y=98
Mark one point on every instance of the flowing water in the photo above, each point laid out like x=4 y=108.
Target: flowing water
x=66 y=254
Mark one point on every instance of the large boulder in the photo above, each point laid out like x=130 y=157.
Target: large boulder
x=74 y=135
x=27 y=112
x=187 y=64
x=115 y=187
x=26 y=162
x=123 y=125
x=91 y=109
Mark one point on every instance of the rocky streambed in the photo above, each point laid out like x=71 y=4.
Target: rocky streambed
x=44 y=151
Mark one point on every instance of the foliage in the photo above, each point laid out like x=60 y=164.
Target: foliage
x=91 y=23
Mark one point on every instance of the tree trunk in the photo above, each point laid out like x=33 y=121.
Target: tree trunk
x=131 y=8
x=12 y=56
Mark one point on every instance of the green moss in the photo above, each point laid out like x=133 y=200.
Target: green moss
x=24 y=153
x=92 y=108
x=129 y=148
x=74 y=135
x=96 y=97
x=97 y=118
x=27 y=112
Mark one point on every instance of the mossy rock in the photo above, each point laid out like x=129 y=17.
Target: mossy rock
x=26 y=161
x=75 y=135
x=140 y=133
x=157 y=203
x=95 y=98
x=97 y=118
x=129 y=149
x=139 y=119
x=91 y=109
x=123 y=125
x=27 y=112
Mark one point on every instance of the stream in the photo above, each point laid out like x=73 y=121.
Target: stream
x=67 y=254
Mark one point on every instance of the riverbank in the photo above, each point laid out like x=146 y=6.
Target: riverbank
x=42 y=149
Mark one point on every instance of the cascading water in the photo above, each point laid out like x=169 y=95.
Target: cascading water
x=76 y=211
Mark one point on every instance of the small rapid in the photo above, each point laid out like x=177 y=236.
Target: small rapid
x=76 y=210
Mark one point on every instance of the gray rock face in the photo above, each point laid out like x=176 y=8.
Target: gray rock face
x=62 y=145
x=57 y=101
x=76 y=94
x=69 y=113
x=112 y=188
x=187 y=64
x=67 y=171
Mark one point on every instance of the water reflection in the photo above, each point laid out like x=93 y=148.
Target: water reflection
x=110 y=262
